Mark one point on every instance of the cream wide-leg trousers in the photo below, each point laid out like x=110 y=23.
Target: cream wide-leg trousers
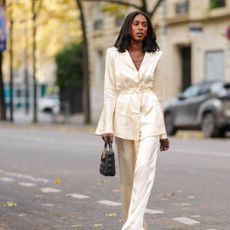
x=137 y=164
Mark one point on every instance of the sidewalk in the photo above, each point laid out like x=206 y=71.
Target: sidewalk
x=75 y=123
x=50 y=122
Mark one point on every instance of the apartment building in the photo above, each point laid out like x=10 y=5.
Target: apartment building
x=192 y=34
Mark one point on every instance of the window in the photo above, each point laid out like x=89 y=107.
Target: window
x=18 y=93
x=204 y=89
x=98 y=17
x=182 y=7
x=98 y=24
x=216 y=4
x=191 y=91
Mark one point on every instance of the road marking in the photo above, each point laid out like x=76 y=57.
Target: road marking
x=185 y=204
x=24 y=176
x=185 y=220
x=191 y=197
x=50 y=190
x=153 y=212
x=6 y=179
x=77 y=196
x=27 y=184
x=200 y=152
x=48 y=205
x=108 y=203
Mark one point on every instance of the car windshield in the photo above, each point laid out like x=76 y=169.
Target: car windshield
x=191 y=91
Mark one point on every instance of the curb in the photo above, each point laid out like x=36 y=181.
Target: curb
x=52 y=127
x=190 y=134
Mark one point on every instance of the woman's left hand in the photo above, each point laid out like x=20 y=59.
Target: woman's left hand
x=164 y=144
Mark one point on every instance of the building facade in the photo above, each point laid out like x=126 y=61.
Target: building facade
x=193 y=37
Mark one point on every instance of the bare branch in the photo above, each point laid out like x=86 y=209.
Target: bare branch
x=155 y=7
x=117 y=2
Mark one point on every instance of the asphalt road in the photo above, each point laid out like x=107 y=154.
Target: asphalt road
x=49 y=181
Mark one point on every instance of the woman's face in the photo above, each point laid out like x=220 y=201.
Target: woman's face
x=139 y=28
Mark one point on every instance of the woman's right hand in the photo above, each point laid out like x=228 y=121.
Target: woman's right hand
x=107 y=137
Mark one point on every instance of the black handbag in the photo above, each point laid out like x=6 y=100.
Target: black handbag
x=107 y=165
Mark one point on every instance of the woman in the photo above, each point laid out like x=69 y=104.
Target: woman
x=133 y=113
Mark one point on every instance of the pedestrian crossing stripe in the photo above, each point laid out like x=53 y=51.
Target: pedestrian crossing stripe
x=77 y=196
x=153 y=212
x=186 y=220
x=108 y=203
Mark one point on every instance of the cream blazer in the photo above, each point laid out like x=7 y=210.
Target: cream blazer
x=132 y=98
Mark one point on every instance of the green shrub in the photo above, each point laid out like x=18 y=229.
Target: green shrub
x=69 y=72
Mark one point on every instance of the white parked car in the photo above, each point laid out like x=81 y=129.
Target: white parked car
x=49 y=104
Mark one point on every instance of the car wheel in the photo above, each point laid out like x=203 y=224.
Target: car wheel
x=169 y=123
x=209 y=127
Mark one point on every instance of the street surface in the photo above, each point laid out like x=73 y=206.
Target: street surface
x=49 y=180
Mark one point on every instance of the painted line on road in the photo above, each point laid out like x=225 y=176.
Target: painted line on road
x=50 y=190
x=200 y=152
x=27 y=184
x=109 y=203
x=77 y=196
x=48 y=205
x=7 y=179
x=24 y=176
x=57 y=141
x=153 y=212
x=186 y=220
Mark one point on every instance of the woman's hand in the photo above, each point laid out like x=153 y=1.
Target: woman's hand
x=164 y=144
x=107 y=137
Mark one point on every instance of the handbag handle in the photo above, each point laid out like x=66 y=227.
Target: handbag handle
x=108 y=143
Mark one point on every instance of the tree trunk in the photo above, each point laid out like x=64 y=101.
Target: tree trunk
x=11 y=64
x=34 y=48
x=2 y=98
x=86 y=89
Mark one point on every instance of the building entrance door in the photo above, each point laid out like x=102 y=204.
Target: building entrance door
x=185 y=54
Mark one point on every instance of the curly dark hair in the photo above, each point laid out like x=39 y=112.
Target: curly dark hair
x=124 y=38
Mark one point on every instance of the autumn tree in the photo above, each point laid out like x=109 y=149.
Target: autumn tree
x=41 y=29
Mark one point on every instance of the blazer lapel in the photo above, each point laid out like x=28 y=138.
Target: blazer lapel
x=127 y=59
x=147 y=60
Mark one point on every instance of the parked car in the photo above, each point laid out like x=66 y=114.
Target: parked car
x=49 y=104
x=204 y=106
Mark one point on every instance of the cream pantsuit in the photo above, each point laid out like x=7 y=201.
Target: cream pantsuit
x=137 y=163
x=132 y=111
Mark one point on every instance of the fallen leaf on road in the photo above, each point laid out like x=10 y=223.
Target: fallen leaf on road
x=111 y=214
x=97 y=225
x=11 y=204
x=57 y=181
x=76 y=226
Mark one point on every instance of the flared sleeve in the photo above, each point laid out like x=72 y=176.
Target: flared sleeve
x=158 y=88
x=105 y=124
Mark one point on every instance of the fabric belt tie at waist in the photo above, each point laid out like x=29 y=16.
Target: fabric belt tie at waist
x=137 y=92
